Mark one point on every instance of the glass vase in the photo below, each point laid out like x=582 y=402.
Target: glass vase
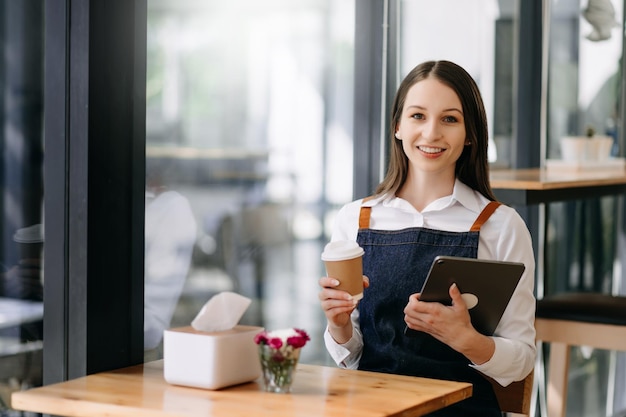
x=278 y=367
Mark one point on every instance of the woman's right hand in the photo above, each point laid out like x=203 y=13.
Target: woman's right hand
x=337 y=306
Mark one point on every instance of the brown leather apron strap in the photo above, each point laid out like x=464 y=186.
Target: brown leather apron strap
x=484 y=215
x=366 y=212
x=364 y=215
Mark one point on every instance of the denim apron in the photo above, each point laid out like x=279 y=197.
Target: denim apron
x=397 y=263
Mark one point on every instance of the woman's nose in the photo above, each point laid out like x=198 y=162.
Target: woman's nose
x=431 y=130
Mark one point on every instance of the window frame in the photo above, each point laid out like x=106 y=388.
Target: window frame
x=94 y=174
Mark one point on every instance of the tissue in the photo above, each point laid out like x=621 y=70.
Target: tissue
x=215 y=351
x=222 y=312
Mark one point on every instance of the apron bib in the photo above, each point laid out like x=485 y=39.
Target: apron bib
x=397 y=263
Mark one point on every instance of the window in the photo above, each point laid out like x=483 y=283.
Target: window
x=477 y=35
x=584 y=73
x=249 y=151
x=21 y=200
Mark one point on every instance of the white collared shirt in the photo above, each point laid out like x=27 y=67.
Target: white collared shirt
x=504 y=237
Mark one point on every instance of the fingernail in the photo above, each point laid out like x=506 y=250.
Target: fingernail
x=335 y=282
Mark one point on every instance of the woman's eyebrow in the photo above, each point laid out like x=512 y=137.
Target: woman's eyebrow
x=417 y=106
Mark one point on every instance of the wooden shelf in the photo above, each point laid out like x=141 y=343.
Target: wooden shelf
x=535 y=185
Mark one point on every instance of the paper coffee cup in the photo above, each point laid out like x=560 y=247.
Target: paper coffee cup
x=343 y=260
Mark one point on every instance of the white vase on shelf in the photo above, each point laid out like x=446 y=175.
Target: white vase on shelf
x=575 y=148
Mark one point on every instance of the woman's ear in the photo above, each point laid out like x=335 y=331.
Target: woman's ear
x=398 y=135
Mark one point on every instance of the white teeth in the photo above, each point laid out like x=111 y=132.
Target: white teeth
x=430 y=150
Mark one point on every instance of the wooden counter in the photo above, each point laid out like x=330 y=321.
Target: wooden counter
x=535 y=185
x=317 y=391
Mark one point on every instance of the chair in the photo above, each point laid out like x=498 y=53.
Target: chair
x=514 y=398
x=576 y=319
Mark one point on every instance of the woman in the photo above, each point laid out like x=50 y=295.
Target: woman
x=436 y=187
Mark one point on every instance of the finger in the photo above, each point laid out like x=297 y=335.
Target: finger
x=366 y=281
x=418 y=311
x=328 y=282
x=339 y=295
x=417 y=324
x=338 y=305
x=412 y=303
x=455 y=295
x=337 y=313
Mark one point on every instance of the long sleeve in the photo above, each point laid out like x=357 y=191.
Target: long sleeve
x=515 y=352
x=346 y=355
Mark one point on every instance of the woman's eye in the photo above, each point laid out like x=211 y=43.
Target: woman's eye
x=450 y=119
x=418 y=116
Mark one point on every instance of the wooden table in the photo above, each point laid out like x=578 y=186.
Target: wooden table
x=317 y=391
x=535 y=185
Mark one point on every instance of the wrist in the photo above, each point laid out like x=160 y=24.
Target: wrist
x=340 y=334
x=480 y=348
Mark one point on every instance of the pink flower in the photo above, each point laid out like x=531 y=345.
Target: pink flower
x=275 y=342
x=260 y=338
x=296 y=338
x=299 y=340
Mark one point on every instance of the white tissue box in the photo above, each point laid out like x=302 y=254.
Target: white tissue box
x=210 y=360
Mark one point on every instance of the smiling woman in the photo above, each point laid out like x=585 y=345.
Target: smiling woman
x=436 y=200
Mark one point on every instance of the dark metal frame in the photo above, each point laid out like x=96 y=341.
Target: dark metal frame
x=94 y=127
x=370 y=70
x=527 y=104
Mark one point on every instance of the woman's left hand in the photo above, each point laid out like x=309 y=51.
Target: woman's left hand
x=449 y=324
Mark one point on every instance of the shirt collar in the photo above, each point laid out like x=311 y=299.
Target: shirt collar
x=461 y=193
x=466 y=196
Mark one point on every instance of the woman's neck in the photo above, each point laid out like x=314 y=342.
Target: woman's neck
x=421 y=190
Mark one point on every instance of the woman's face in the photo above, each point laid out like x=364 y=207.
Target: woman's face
x=432 y=127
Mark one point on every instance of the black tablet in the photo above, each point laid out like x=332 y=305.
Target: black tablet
x=487 y=287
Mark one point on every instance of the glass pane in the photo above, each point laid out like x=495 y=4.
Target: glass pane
x=585 y=51
x=21 y=200
x=249 y=151
x=479 y=36
x=584 y=73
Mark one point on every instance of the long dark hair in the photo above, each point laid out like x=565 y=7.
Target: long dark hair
x=472 y=167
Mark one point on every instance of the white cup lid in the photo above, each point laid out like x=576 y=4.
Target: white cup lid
x=341 y=249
